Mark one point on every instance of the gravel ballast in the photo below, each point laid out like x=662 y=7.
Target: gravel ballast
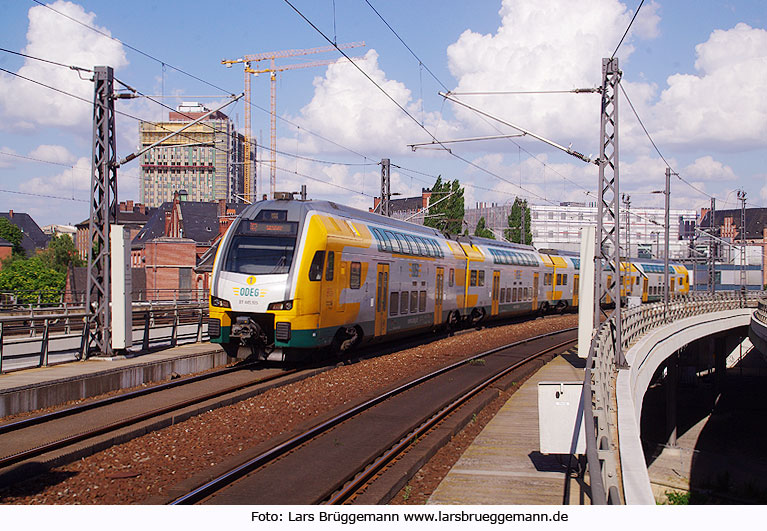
x=146 y=467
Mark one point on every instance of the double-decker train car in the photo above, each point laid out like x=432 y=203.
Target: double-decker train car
x=291 y=276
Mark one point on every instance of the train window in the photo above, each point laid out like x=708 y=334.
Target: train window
x=473 y=281
x=413 y=301
x=564 y=280
x=393 y=242
x=513 y=294
x=527 y=294
x=404 y=301
x=315 y=270
x=403 y=244
x=435 y=246
x=451 y=278
x=559 y=279
x=425 y=248
x=355 y=275
x=502 y=297
x=637 y=279
x=481 y=278
x=330 y=268
x=379 y=238
x=422 y=301
x=393 y=303
x=256 y=254
x=411 y=243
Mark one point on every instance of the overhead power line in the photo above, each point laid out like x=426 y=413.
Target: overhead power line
x=149 y=56
x=627 y=29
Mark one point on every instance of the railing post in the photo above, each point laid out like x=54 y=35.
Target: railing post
x=199 y=326
x=174 y=331
x=145 y=341
x=1 y=347
x=44 y=346
x=84 y=339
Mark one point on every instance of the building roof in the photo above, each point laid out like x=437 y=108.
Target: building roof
x=756 y=221
x=32 y=236
x=199 y=222
x=5 y=243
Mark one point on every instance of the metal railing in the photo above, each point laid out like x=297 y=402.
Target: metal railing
x=46 y=325
x=601 y=372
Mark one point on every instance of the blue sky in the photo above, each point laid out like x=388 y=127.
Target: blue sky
x=695 y=71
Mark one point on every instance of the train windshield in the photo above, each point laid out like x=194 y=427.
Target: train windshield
x=259 y=248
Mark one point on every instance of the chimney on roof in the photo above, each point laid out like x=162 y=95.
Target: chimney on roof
x=10 y=213
x=221 y=208
x=129 y=205
x=168 y=216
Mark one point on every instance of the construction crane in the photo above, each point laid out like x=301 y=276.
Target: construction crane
x=248 y=60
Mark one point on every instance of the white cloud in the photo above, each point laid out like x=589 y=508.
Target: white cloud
x=70 y=182
x=348 y=108
x=708 y=169
x=541 y=46
x=722 y=107
x=25 y=105
x=52 y=153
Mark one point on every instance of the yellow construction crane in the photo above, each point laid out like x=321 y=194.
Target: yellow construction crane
x=248 y=60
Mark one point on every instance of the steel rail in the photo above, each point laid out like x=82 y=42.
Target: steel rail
x=66 y=441
x=369 y=471
x=272 y=454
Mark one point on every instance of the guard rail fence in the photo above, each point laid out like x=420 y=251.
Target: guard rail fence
x=601 y=372
x=45 y=326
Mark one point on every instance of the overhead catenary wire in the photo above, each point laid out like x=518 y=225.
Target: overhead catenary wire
x=627 y=29
x=406 y=112
x=145 y=54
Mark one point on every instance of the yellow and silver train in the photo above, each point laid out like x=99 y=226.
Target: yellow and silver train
x=290 y=276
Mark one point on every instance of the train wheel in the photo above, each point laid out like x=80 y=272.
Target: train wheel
x=346 y=339
x=453 y=322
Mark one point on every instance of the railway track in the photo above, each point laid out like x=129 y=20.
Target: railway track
x=354 y=456
x=35 y=444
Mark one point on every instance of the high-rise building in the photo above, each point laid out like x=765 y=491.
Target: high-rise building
x=206 y=160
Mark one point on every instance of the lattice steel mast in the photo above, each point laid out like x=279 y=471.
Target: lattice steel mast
x=608 y=217
x=103 y=211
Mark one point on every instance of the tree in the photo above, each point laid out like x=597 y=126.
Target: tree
x=515 y=227
x=12 y=234
x=445 y=214
x=61 y=252
x=30 y=278
x=482 y=230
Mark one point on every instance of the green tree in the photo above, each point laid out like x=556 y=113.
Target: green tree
x=446 y=214
x=61 y=252
x=515 y=227
x=12 y=234
x=482 y=231
x=30 y=278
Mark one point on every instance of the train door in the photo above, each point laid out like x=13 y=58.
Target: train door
x=645 y=282
x=496 y=292
x=535 y=291
x=439 y=295
x=382 y=295
x=576 y=287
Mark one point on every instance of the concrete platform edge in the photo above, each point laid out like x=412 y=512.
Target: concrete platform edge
x=61 y=384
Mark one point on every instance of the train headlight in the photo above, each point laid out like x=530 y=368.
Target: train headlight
x=219 y=303
x=282 y=305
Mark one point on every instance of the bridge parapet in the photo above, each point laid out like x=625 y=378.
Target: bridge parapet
x=599 y=386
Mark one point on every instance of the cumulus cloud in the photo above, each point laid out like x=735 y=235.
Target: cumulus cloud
x=348 y=108
x=50 y=36
x=543 y=46
x=69 y=182
x=723 y=106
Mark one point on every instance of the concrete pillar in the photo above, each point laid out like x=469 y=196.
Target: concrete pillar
x=720 y=366
x=671 y=384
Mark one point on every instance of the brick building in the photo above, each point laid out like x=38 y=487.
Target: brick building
x=175 y=241
x=130 y=214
